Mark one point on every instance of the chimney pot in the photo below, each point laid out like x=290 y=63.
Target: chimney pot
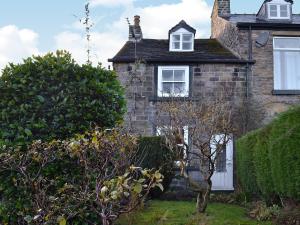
x=137 y=20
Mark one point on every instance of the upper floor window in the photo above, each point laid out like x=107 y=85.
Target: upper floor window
x=286 y=63
x=182 y=41
x=173 y=81
x=279 y=11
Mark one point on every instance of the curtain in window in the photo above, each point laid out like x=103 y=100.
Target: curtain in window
x=287 y=70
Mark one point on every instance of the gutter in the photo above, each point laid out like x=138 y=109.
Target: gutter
x=272 y=26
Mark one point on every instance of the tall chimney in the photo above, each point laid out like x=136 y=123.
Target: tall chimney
x=135 y=31
x=223 y=7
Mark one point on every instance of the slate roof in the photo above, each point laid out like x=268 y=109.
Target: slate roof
x=183 y=24
x=251 y=19
x=157 y=51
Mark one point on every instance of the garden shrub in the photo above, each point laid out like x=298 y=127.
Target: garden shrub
x=262 y=164
x=245 y=165
x=284 y=153
x=52 y=97
x=85 y=180
x=153 y=153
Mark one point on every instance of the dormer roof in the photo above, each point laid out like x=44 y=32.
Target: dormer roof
x=184 y=25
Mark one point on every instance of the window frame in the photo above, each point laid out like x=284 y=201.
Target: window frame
x=274 y=60
x=160 y=81
x=278 y=17
x=181 y=33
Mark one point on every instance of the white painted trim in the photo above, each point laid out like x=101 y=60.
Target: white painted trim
x=181 y=32
x=278 y=17
x=186 y=80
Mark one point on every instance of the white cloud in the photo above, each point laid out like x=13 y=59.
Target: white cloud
x=156 y=21
x=111 y=3
x=16 y=44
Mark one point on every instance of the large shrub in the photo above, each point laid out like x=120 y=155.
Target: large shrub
x=153 y=153
x=285 y=153
x=86 y=180
x=245 y=164
x=52 y=97
x=262 y=164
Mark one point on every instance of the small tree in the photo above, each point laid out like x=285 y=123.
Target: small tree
x=86 y=180
x=210 y=128
x=52 y=97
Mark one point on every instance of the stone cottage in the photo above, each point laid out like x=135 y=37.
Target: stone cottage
x=258 y=55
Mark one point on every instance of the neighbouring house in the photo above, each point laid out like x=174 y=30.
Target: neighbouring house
x=256 y=55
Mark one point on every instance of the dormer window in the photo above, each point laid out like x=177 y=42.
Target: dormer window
x=182 y=42
x=279 y=11
x=182 y=37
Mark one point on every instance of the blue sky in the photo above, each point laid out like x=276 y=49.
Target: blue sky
x=36 y=27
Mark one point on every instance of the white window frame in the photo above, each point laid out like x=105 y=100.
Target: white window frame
x=278 y=5
x=181 y=32
x=276 y=79
x=185 y=93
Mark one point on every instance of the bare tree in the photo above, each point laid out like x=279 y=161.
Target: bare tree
x=210 y=126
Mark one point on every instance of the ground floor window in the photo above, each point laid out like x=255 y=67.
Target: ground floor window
x=287 y=63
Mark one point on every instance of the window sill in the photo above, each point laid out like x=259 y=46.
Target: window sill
x=168 y=99
x=286 y=92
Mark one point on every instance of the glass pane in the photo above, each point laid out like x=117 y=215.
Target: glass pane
x=167 y=75
x=179 y=75
x=287 y=67
x=167 y=88
x=176 y=37
x=187 y=37
x=221 y=161
x=187 y=46
x=273 y=11
x=283 y=11
x=179 y=88
x=293 y=43
x=176 y=45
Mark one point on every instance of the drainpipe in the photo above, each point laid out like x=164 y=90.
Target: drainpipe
x=250 y=58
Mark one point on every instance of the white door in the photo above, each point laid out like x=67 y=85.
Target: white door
x=222 y=180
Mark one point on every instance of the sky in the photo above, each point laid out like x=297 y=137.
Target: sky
x=35 y=27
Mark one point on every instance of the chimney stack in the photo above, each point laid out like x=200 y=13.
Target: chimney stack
x=223 y=7
x=135 y=31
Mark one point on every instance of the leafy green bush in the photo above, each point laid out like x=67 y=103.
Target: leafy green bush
x=153 y=153
x=284 y=152
x=262 y=164
x=245 y=165
x=52 y=97
x=86 y=180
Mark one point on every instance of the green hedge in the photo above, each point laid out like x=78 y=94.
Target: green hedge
x=153 y=153
x=245 y=164
x=285 y=153
x=269 y=158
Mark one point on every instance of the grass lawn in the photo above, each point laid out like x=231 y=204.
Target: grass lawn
x=183 y=213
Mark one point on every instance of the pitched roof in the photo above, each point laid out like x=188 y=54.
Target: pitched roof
x=157 y=51
x=182 y=24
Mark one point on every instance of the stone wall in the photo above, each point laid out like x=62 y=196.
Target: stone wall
x=207 y=79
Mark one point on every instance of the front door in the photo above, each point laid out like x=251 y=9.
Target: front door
x=222 y=180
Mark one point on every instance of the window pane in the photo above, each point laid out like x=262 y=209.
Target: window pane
x=179 y=75
x=187 y=37
x=221 y=161
x=167 y=88
x=273 y=11
x=287 y=43
x=179 y=88
x=176 y=37
x=187 y=46
x=167 y=75
x=176 y=45
x=287 y=70
x=283 y=11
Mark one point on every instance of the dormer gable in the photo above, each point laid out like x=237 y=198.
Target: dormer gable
x=182 y=38
x=276 y=10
